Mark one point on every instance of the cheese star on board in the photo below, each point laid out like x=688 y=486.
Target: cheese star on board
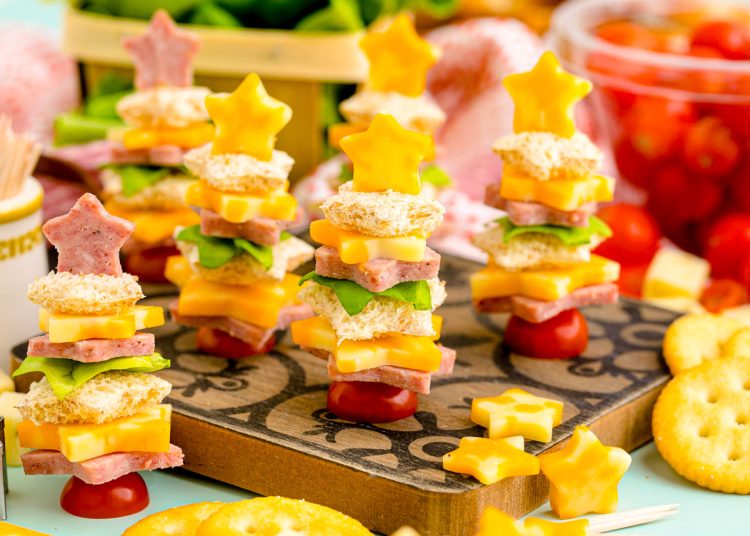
x=516 y=412
x=399 y=58
x=545 y=97
x=247 y=120
x=386 y=157
x=163 y=56
x=584 y=475
x=88 y=239
x=491 y=460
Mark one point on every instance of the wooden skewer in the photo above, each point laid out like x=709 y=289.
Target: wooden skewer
x=631 y=518
x=18 y=157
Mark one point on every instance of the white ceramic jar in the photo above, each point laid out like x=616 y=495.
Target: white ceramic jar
x=23 y=258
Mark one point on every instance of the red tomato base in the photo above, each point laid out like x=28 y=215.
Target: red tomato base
x=561 y=337
x=370 y=402
x=221 y=344
x=118 y=498
x=149 y=264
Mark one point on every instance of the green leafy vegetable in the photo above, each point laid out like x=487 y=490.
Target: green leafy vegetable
x=339 y=16
x=214 y=252
x=355 y=298
x=65 y=375
x=137 y=178
x=436 y=176
x=570 y=236
x=74 y=127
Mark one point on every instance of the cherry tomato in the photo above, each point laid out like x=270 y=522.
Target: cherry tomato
x=149 y=264
x=722 y=294
x=731 y=39
x=667 y=199
x=631 y=279
x=562 y=337
x=120 y=497
x=221 y=344
x=727 y=245
x=629 y=34
x=370 y=402
x=632 y=165
x=657 y=126
x=635 y=234
x=740 y=187
x=710 y=149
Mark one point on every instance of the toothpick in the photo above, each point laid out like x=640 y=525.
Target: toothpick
x=18 y=157
x=630 y=518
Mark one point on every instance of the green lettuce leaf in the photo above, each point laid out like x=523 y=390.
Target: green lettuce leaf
x=435 y=176
x=137 y=178
x=214 y=252
x=570 y=236
x=355 y=298
x=65 y=375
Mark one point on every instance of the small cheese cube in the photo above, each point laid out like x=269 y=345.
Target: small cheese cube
x=154 y=226
x=186 y=137
x=675 y=274
x=239 y=208
x=740 y=313
x=8 y=403
x=147 y=431
x=562 y=194
x=6 y=383
x=72 y=328
x=178 y=270
x=679 y=304
x=356 y=248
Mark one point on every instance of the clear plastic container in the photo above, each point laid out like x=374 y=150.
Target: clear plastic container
x=678 y=125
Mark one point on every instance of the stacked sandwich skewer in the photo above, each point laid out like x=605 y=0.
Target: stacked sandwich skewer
x=234 y=267
x=541 y=268
x=97 y=413
x=375 y=283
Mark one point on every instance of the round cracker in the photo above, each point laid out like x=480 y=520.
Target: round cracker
x=692 y=339
x=182 y=521
x=701 y=425
x=738 y=344
x=272 y=515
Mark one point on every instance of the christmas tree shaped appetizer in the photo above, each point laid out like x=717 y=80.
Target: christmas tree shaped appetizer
x=540 y=263
x=376 y=283
x=166 y=116
x=96 y=414
x=233 y=273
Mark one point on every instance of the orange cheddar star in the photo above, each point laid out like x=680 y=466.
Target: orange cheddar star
x=495 y=522
x=541 y=527
x=248 y=120
x=516 y=412
x=399 y=58
x=545 y=97
x=491 y=460
x=584 y=475
x=386 y=156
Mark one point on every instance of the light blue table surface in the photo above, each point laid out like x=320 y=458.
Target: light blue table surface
x=33 y=501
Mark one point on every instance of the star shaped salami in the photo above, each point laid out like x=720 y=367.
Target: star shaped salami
x=88 y=239
x=163 y=56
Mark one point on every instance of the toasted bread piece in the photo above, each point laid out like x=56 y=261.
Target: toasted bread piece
x=165 y=106
x=85 y=294
x=414 y=113
x=383 y=214
x=545 y=156
x=104 y=398
x=382 y=315
x=532 y=250
x=244 y=269
x=239 y=173
x=167 y=194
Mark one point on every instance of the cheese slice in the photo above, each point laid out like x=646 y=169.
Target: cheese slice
x=154 y=226
x=394 y=349
x=147 y=431
x=186 y=137
x=561 y=194
x=178 y=271
x=72 y=328
x=239 y=208
x=257 y=304
x=547 y=284
x=675 y=274
x=356 y=248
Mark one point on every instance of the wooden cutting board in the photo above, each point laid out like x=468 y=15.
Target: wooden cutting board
x=261 y=423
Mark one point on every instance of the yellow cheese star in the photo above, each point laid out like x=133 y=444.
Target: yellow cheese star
x=491 y=460
x=386 y=156
x=495 y=522
x=399 y=58
x=584 y=475
x=534 y=526
x=248 y=120
x=516 y=412
x=545 y=96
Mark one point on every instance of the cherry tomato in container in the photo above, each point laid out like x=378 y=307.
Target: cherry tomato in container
x=120 y=497
x=149 y=264
x=657 y=126
x=728 y=244
x=370 y=402
x=730 y=38
x=629 y=34
x=221 y=344
x=739 y=185
x=722 y=294
x=561 y=337
x=631 y=164
x=635 y=234
x=710 y=149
